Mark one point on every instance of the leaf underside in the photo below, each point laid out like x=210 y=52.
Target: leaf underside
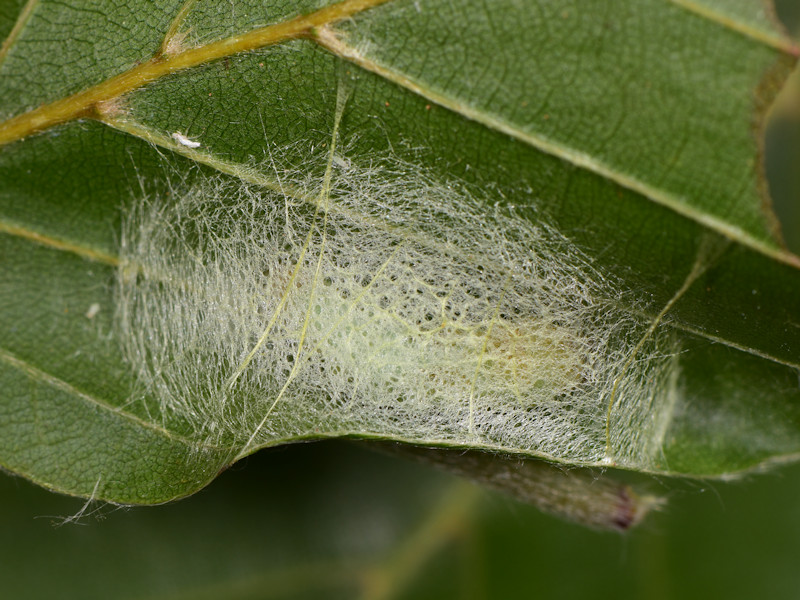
x=632 y=127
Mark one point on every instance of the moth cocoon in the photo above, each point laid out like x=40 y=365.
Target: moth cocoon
x=380 y=303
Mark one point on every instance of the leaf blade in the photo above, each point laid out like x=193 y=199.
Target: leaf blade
x=654 y=211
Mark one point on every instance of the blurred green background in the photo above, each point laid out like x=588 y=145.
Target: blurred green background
x=336 y=519
x=783 y=145
x=318 y=520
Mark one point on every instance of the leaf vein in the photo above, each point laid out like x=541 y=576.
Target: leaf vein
x=776 y=41
x=86 y=103
x=329 y=41
x=58 y=244
x=51 y=380
x=22 y=20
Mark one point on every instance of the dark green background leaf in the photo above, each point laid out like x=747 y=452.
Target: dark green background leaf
x=262 y=531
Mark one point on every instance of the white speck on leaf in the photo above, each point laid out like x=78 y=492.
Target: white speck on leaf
x=184 y=141
x=93 y=310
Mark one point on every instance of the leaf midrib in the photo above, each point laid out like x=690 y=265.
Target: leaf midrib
x=94 y=101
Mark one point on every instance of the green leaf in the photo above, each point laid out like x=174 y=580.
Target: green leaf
x=549 y=157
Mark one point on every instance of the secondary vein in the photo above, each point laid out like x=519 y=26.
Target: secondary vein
x=22 y=20
x=776 y=41
x=51 y=380
x=327 y=39
x=58 y=244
